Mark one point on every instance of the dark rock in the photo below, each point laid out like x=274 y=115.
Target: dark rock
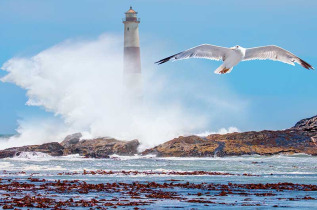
x=308 y=124
x=94 y=148
x=192 y=146
x=103 y=147
x=7 y=154
x=299 y=139
x=309 y=127
x=53 y=149
x=264 y=143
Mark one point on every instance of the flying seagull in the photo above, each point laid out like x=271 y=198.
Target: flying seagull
x=233 y=55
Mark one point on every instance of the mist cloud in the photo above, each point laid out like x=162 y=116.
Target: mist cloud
x=80 y=82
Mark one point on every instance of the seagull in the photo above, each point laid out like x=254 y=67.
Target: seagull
x=233 y=55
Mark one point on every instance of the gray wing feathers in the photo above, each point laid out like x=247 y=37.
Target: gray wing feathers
x=202 y=51
x=274 y=53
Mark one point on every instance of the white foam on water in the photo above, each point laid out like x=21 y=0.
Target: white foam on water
x=42 y=168
x=32 y=156
x=74 y=157
x=5 y=165
x=292 y=172
x=136 y=156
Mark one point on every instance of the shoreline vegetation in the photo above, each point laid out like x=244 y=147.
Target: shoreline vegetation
x=302 y=138
x=34 y=192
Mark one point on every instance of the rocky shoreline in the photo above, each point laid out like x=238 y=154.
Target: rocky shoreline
x=302 y=138
x=38 y=192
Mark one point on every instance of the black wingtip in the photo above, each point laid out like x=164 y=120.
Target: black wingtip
x=306 y=65
x=164 y=60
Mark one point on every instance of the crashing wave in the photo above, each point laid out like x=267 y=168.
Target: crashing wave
x=31 y=155
x=136 y=156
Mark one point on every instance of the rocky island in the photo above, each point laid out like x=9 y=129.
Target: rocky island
x=302 y=138
x=92 y=148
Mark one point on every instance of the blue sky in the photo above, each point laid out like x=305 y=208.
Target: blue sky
x=278 y=94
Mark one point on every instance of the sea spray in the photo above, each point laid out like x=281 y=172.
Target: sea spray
x=80 y=82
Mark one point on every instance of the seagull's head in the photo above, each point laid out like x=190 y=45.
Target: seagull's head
x=235 y=47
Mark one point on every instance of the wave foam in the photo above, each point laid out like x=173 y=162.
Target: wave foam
x=32 y=155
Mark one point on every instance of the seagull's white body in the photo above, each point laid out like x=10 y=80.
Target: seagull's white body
x=234 y=55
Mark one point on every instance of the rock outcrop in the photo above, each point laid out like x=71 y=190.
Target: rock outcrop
x=299 y=139
x=94 y=148
x=53 y=149
x=102 y=147
x=71 y=140
x=302 y=138
x=308 y=126
x=189 y=146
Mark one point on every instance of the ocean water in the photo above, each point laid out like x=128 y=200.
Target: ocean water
x=296 y=169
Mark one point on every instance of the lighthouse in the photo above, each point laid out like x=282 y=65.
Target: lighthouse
x=132 y=77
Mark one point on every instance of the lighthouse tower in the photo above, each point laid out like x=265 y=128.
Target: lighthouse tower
x=132 y=77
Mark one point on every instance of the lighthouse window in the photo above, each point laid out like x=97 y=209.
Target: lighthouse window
x=128 y=29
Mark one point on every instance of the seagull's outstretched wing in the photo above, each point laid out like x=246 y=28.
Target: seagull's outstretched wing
x=206 y=51
x=274 y=53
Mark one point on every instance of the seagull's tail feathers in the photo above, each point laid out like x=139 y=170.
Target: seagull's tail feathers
x=223 y=70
